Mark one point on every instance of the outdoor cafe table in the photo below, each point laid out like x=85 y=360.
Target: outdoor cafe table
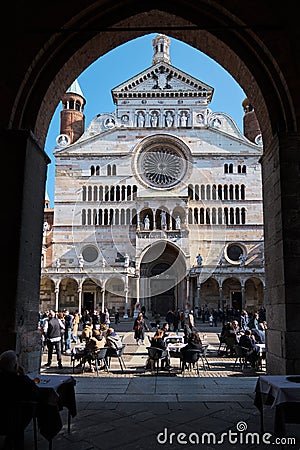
x=281 y=392
x=56 y=392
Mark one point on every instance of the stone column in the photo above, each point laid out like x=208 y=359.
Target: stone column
x=79 y=299
x=243 y=296
x=281 y=195
x=56 y=297
x=21 y=231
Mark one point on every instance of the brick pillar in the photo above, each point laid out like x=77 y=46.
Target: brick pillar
x=22 y=204
x=281 y=193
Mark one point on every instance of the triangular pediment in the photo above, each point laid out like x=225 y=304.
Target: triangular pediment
x=163 y=78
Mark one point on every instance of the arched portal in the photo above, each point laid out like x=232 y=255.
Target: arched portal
x=264 y=63
x=163 y=283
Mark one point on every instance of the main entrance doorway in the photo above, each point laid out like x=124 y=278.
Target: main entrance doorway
x=163 y=272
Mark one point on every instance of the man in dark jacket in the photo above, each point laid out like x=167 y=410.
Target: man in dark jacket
x=52 y=330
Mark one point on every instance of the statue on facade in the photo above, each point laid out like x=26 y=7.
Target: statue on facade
x=140 y=119
x=80 y=261
x=199 y=260
x=147 y=223
x=46 y=227
x=126 y=260
x=154 y=120
x=242 y=260
x=57 y=264
x=178 y=223
x=163 y=219
x=169 y=119
x=183 y=119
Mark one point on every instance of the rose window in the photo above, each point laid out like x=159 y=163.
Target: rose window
x=162 y=166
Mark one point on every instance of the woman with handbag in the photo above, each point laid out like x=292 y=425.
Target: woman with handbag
x=139 y=328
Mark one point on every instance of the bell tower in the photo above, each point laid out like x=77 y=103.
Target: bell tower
x=71 y=116
x=161 y=47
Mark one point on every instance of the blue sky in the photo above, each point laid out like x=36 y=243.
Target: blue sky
x=132 y=58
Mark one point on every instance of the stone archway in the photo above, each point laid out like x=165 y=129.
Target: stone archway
x=163 y=272
x=257 y=59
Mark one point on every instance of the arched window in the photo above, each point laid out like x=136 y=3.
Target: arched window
x=243 y=216
x=127 y=216
x=220 y=216
x=197 y=192
x=134 y=217
x=97 y=170
x=118 y=193
x=237 y=192
x=90 y=193
x=114 y=169
x=239 y=168
x=237 y=216
x=101 y=193
x=196 y=215
x=226 y=216
x=89 y=217
x=190 y=216
x=117 y=218
x=111 y=217
x=94 y=217
x=123 y=193
x=214 y=192
x=225 y=192
x=106 y=193
x=214 y=216
x=112 y=193
x=208 y=192
x=122 y=217
x=243 y=192
x=95 y=189
x=230 y=168
x=202 y=216
x=108 y=170
x=244 y=169
x=226 y=168
x=207 y=216
x=231 y=192
x=231 y=215
x=84 y=193
x=100 y=217
x=105 y=218
x=220 y=192
x=134 y=192
x=128 y=193
x=92 y=170
x=190 y=192
x=202 y=192
x=83 y=217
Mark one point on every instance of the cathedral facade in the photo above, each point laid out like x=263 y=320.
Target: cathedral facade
x=157 y=204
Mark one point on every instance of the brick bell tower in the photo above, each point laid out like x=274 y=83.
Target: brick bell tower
x=251 y=126
x=71 y=116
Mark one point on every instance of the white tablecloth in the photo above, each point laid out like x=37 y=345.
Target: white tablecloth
x=279 y=388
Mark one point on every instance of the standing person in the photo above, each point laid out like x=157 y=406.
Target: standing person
x=117 y=317
x=68 y=330
x=107 y=318
x=76 y=321
x=52 y=330
x=191 y=320
x=140 y=327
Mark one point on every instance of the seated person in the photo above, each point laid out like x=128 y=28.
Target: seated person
x=194 y=342
x=15 y=387
x=87 y=332
x=166 y=329
x=259 y=336
x=236 y=327
x=158 y=342
x=186 y=331
x=247 y=341
x=229 y=336
x=113 y=340
x=91 y=347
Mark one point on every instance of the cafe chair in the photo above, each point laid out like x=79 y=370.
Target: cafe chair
x=240 y=357
x=113 y=352
x=190 y=359
x=203 y=357
x=230 y=342
x=222 y=345
x=100 y=359
x=13 y=427
x=157 y=356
